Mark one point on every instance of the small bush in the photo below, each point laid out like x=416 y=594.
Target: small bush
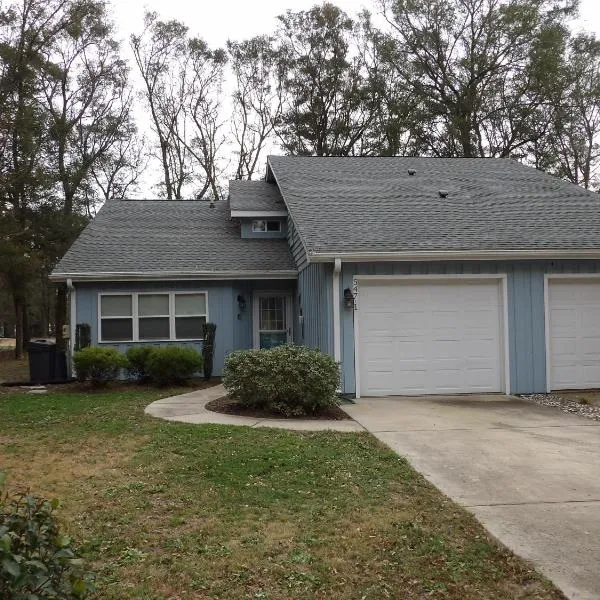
x=97 y=364
x=37 y=561
x=291 y=380
x=173 y=364
x=137 y=359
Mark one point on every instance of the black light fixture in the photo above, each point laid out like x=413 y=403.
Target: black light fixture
x=348 y=298
x=241 y=302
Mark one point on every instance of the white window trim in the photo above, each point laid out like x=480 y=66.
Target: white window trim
x=266 y=229
x=135 y=316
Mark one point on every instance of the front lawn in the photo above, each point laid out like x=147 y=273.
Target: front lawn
x=168 y=510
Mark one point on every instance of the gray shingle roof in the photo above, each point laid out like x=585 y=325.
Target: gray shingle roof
x=254 y=195
x=373 y=205
x=143 y=236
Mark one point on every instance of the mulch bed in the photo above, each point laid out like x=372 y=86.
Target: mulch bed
x=228 y=406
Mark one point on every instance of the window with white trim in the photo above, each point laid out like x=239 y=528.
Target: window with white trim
x=152 y=316
x=262 y=225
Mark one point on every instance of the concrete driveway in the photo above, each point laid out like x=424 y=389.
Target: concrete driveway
x=530 y=474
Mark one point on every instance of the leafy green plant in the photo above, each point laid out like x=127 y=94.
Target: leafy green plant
x=97 y=364
x=208 y=348
x=37 y=561
x=137 y=359
x=173 y=364
x=291 y=380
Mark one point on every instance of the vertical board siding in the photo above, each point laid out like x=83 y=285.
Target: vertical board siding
x=315 y=304
x=295 y=245
x=234 y=326
x=526 y=318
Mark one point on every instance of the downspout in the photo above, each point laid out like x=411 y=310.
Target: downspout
x=337 y=338
x=72 y=325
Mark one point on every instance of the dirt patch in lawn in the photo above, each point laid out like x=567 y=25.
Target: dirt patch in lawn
x=228 y=406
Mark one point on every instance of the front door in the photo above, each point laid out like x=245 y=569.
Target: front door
x=272 y=320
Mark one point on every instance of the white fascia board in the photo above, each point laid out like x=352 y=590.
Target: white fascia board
x=173 y=276
x=257 y=214
x=426 y=255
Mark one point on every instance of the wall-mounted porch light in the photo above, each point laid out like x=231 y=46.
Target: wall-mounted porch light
x=241 y=302
x=348 y=298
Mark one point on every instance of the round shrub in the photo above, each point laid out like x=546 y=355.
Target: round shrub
x=291 y=380
x=98 y=364
x=137 y=359
x=173 y=364
x=37 y=560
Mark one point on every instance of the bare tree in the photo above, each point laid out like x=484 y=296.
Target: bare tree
x=117 y=174
x=257 y=101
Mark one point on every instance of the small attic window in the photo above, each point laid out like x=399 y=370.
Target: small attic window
x=262 y=225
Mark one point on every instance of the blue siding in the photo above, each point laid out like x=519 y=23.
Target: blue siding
x=315 y=303
x=295 y=244
x=234 y=326
x=246 y=229
x=526 y=319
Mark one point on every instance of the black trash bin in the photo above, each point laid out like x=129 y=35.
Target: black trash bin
x=42 y=361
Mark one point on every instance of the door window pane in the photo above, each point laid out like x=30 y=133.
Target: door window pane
x=154 y=328
x=115 y=330
x=190 y=304
x=272 y=314
x=189 y=328
x=153 y=304
x=116 y=306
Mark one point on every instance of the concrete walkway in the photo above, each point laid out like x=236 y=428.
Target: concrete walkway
x=529 y=473
x=190 y=408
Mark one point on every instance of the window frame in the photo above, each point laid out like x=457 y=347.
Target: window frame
x=266 y=229
x=136 y=317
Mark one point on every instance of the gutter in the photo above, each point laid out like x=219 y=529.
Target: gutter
x=337 y=342
x=72 y=325
x=426 y=255
x=171 y=275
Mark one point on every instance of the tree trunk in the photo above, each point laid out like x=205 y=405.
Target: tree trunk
x=19 y=313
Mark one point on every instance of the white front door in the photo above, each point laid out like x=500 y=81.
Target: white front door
x=574 y=332
x=272 y=320
x=430 y=337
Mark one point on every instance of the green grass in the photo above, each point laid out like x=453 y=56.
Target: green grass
x=167 y=510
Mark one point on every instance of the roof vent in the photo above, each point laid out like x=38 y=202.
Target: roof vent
x=412 y=172
x=443 y=193
x=211 y=205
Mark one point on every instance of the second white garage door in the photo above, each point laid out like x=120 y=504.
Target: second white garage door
x=574 y=333
x=429 y=337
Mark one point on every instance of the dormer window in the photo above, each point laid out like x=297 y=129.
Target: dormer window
x=263 y=225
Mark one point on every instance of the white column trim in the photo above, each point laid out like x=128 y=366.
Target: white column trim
x=337 y=341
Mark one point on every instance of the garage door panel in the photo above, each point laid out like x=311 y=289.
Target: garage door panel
x=574 y=334
x=447 y=337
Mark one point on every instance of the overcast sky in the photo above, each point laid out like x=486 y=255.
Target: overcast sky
x=219 y=20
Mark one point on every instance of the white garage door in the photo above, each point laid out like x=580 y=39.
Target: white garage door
x=424 y=337
x=574 y=328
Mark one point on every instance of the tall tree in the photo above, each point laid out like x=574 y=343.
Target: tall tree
x=88 y=102
x=479 y=69
x=571 y=149
x=328 y=99
x=256 y=101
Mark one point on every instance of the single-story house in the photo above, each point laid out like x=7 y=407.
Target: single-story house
x=419 y=275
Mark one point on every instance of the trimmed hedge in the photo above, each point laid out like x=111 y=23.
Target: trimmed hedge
x=98 y=364
x=137 y=357
x=172 y=364
x=291 y=380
